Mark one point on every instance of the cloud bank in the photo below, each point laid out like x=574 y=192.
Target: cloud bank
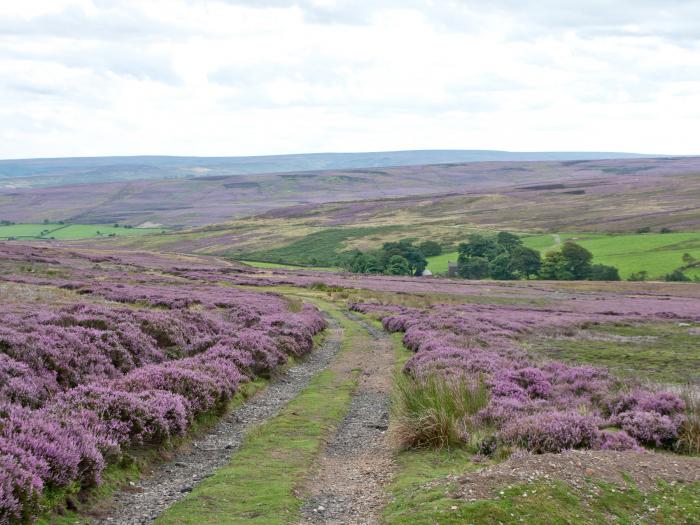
x=227 y=77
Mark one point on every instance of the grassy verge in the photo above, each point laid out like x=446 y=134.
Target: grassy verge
x=260 y=483
x=552 y=503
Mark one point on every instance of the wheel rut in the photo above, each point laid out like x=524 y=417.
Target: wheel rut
x=141 y=503
x=348 y=484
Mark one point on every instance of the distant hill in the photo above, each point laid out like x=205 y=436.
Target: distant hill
x=530 y=191
x=27 y=173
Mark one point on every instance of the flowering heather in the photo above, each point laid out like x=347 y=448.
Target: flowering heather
x=539 y=406
x=124 y=359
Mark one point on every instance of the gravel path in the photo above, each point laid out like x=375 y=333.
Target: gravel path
x=168 y=483
x=347 y=486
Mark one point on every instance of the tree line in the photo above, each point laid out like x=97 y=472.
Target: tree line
x=503 y=257
x=506 y=258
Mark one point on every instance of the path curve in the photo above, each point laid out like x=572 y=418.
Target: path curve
x=143 y=502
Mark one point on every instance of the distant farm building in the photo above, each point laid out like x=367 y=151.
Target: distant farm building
x=427 y=273
x=451 y=269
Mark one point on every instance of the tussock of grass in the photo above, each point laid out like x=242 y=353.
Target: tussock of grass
x=689 y=439
x=433 y=411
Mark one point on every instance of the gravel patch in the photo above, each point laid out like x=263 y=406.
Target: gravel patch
x=357 y=463
x=143 y=502
x=578 y=468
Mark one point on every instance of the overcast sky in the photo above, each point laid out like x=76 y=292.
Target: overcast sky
x=196 y=77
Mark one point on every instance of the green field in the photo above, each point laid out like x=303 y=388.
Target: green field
x=657 y=253
x=320 y=248
x=67 y=232
x=260 y=264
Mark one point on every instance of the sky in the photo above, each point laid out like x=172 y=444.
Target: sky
x=254 y=77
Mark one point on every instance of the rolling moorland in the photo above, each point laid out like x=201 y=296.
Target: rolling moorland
x=542 y=195
x=153 y=377
x=142 y=386
x=600 y=204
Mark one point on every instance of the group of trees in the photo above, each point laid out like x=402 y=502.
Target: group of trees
x=501 y=257
x=505 y=258
x=393 y=258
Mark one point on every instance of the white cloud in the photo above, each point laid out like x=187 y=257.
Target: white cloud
x=227 y=77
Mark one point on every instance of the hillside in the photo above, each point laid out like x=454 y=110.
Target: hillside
x=493 y=192
x=45 y=172
x=587 y=198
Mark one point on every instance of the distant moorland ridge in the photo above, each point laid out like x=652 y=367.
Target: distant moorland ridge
x=662 y=185
x=42 y=172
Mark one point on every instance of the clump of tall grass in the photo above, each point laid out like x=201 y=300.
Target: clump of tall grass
x=689 y=435
x=433 y=411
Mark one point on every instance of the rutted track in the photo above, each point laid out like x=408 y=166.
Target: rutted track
x=347 y=487
x=170 y=482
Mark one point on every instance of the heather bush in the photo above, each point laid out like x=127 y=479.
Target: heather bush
x=538 y=406
x=79 y=382
x=20 y=485
x=149 y=416
x=649 y=428
x=433 y=411
x=552 y=432
x=617 y=440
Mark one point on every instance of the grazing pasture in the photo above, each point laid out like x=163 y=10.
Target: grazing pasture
x=67 y=232
x=655 y=253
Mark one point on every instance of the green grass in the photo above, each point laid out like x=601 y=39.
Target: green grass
x=260 y=483
x=438 y=263
x=661 y=352
x=68 y=231
x=657 y=253
x=262 y=264
x=316 y=249
x=550 y=503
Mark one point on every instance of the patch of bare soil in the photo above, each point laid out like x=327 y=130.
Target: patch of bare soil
x=578 y=468
x=348 y=484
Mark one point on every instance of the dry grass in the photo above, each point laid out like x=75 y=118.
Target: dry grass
x=433 y=411
x=689 y=440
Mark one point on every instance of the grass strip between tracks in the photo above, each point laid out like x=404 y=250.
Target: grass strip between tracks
x=260 y=484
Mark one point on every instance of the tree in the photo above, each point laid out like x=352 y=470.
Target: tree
x=473 y=267
x=430 y=248
x=638 y=276
x=509 y=241
x=398 y=266
x=688 y=259
x=359 y=262
x=500 y=268
x=405 y=249
x=555 y=267
x=525 y=262
x=480 y=246
x=602 y=272
x=677 y=276
x=578 y=259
